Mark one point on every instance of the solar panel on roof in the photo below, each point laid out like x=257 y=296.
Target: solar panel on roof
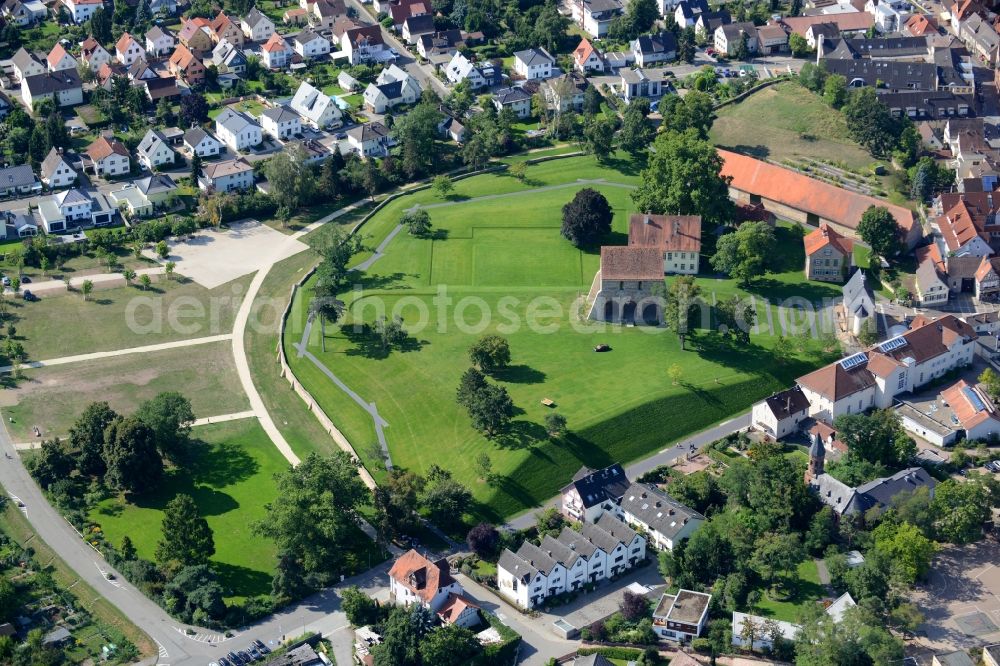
x=853 y=361
x=974 y=398
x=892 y=344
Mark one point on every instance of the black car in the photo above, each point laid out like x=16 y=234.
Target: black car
x=28 y=296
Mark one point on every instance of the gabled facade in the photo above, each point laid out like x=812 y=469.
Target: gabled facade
x=276 y=53
x=370 y=139
x=393 y=87
x=311 y=45
x=226 y=176
x=829 y=255
x=229 y=59
x=128 y=50
x=414 y=579
x=186 y=66
x=225 y=28
x=665 y=521
x=108 y=157
x=25 y=64
x=586 y=58
x=316 y=108
x=159 y=41
x=196 y=35
x=63 y=88
x=595 y=16
x=518 y=100
x=280 y=123
x=781 y=414
x=81 y=10
x=363 y=44
x=59 y=59
x=56 y=171
x=728 y=37
x=592 y=493
x=154 y=151
x=257 y=27
x=93 y=54
x=201 y=143
x=532 y=64
x=237 y=130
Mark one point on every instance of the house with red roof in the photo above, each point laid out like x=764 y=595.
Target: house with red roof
x=586 y=58
x=414 y=579
x=128 y=49
x=459 y=610
x=829 y=255
x=59 y=59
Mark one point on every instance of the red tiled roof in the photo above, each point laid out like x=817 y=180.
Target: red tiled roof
x=824 y=236
x=275 y=43
x=103 y=147
x=931 y=253
x=421 y=576
x=123 y=42
x=669 y=233
x=987 y=266
x=958 y=226
x=454 y=607
x=849 y=22
x=958 y=398
x=620 y=262
x=583 y=51
x=921 y=24
x=803 y=193
x=182 y=57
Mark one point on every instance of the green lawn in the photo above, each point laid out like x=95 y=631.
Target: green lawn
x=786 y=121
x=123 y=317
x=806 y=590
x=230 y=478
x=79 y=266
x=249 y=106
x=52 y=397
x=502 y=254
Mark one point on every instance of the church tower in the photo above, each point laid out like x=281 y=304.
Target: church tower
x=817 y=454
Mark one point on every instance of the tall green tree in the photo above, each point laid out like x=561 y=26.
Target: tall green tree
x=744 y=254
x=961 y=509
x=681 y=305
x=170 y=416
x=877 y=437
x=187 y=538
x=417 y=135
x=130 y=456
x=490 y=353
x=682 y=177
x=586 y=219
x=450 y=645
x=870 y=122
x=636 y=134
x=86 y=436
x=313 y=516
x=879 y=229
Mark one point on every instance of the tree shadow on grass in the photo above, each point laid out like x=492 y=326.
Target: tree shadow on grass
x=240 y=581
x=586 y=451
x=706 y=396
x=210 y=502
x=375 y=281
x=367 y=344
x=221 y=465
x=514 y=490
x=760 y=151
x=749 y=359
x=437 y=235
x=776 y=291
x=625 y=165
x=521 y=435
x=520 y=374
x=101 y=301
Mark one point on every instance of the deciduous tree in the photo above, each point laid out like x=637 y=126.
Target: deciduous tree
x=130 y=456
x=170 y=416
x=86 y=436
x=878 y=228
x=491 y=353
x=586 y=218
x=743 y=254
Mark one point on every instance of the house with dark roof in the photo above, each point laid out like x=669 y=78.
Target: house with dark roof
x=517 y=99
x=414 y=579
x=18 y=180
x=727 y=38
x=534 y=63
x=370 y=139
x=859 y=302
x=706 y=23
x=257 y=26
x=226 y=176
x=438 y=47
x=415 y=26
x=595 y=16
x=56 y=170
x=394 y=86
x=199 y=142
x=686 y=12
x=640 y=83
x=651 y=49
x=64 y=88
x=874 y=496
x=665 y=521
x=781 y=414
x=591 y=493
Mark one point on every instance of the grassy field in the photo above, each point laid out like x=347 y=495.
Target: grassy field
x=500 y=255
x=64 y=325
x=786 y=121
x=806 y=590
x=51 y=398
x=16 y=526
x=231 y=481
x=79 y=266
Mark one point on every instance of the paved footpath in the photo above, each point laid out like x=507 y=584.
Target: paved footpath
x=97 y=356
x=99 y=280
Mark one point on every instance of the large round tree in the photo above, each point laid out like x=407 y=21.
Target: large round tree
x=587 y=218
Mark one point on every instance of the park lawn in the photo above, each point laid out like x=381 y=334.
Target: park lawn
x=78 y=266
x=247 y=106
x=52 y=397
x=504 y=253
x=806 y=590
x=124 y=317
x=231 y=479
x=787 y=121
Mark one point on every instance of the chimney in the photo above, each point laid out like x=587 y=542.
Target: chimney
x=647 y=220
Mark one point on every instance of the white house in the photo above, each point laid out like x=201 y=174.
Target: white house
x=25 y=64
x=256 y=26
x=316 y=108
x=665 y=521
x=311 y=45
x=159 y=41
x=364 y=44
x=890 y=15
x=56 y=171
x=59 y=59
x=534 y=63
x=598 y=551
x=460 y=68
x=460 y=611
x=93 y=54
x=595 y=16
x=638 y=82
x=109 y=157
x=280 y=123
x=128 y=49
x=681 y=617
x=369 y=139
x=758 y=633
x=81 y=10
x=687 y=12
x=71 y=209
x=728 y=37
x=586 y=58
x=276 y=52
x=654 y=48
x=226 y=176
x=393 y=87
x=414 y=579
x=154 y=150
x=237 y=130
x=518 y=100
x=781 y=414
x=592 y=493
x=201 y=143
